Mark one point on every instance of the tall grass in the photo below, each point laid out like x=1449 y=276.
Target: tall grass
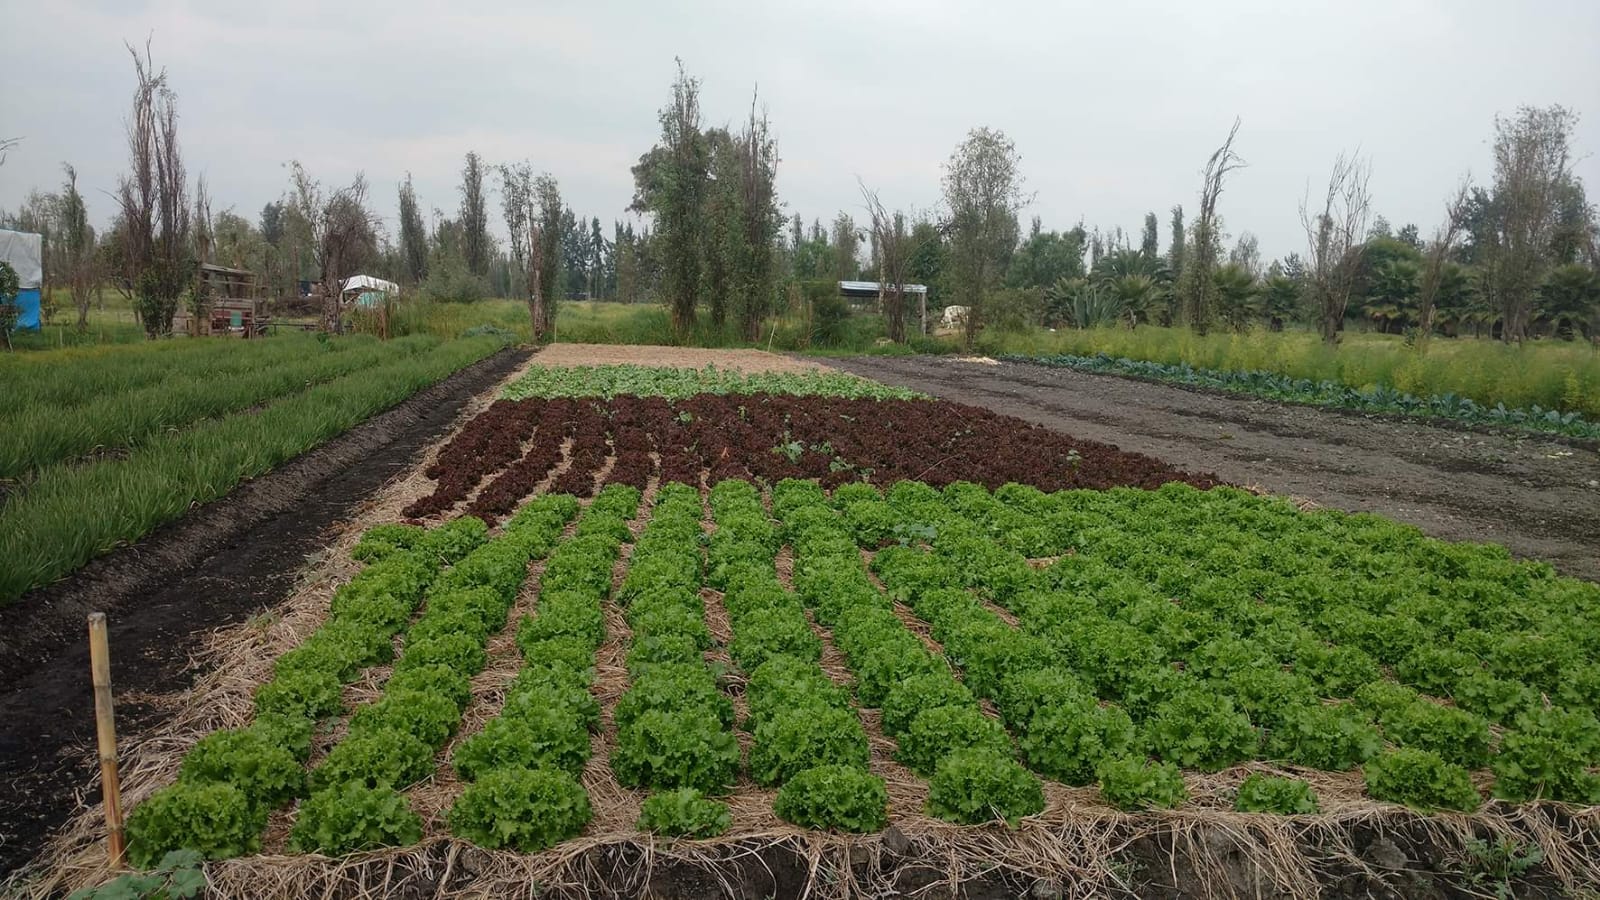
x=71 y=513
x=1550 y=374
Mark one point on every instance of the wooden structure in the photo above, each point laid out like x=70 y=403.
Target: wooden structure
x=236 y=304
x=868 y=291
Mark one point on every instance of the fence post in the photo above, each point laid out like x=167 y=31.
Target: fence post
x=106 y=736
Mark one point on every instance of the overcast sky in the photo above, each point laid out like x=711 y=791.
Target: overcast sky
x=1114 y=106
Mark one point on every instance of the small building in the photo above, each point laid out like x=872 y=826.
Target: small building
x=368 y=292
x=235 y=304
x=865 y=291
x=25 y=252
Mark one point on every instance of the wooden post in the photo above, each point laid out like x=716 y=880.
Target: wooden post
x=106 y=735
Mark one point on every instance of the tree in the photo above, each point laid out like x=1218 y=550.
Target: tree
x=1532 y=169
x=670 y=183
x=1570 y=299
x=1046 y=257
x=599 y=259
x=1149 y=240
x=545 y=254
x=476 y=245
x=153 y=197
x=343 y=235
x=1197 y=288
x=413 y=234
x=1439 y=251
x=894 y=258
x=1247 y=253
x=1332 y=241
x=77 y=241
x=1236 y=295
x=846 y=240
x=753 y=264
x=1392 y=293
x=983 y=190
x=1280 y=297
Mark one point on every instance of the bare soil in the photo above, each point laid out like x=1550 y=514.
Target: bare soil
x=221 y=564
x=1538 y=497
x=751 y=361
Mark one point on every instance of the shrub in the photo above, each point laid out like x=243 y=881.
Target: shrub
x=1130 y=783
x=1422 y=780
x=930 y=690
x=800 y=738
x=681 y=748
x=1268 y=794
x=938 y=732
x=382 y=757
x=212 y=818
x=536 y=737
x=684 y=813
x=1200 y=730
x=301 y=694
x=348 y=817
x=834 y=796
x=524 y=809
x=1334 y=738
x=264 y=772
x=978 y=785
x=1069 y=741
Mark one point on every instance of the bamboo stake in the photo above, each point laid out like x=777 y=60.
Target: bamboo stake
x=106 y=735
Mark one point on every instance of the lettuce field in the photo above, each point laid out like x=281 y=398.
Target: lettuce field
x=799 y=612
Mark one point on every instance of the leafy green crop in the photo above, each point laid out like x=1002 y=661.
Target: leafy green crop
x=977 y=785
x=1202 y=730
x=839 y=797
x=1132 y=783
x=266 y=773
x=523 y=809
x=801 y=738
x=351 y=816
x=677 y=384
x=937 y=733
x=1422 y=780
x=376 y=758
x=535 y=737
x=665 y=750
x=1068 y=741
x=176 y=877
x=427 y=716
x=684 y=813
x=1268 y=794
x=213 y=818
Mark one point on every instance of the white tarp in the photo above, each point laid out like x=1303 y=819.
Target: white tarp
x=368 y=283
x=25 y=253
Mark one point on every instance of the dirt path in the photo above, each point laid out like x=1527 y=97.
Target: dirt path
x=238 y=555
x=1535 y=496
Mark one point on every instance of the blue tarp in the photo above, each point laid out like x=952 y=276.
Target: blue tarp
x=28 y=319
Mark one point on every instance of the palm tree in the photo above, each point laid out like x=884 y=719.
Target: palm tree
x=1237 y=295
x=1135 y=294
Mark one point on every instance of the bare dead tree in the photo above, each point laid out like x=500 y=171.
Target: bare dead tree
x=343 y=235
x=1444 y=241
x=153 y=198
x=6 y=146
x=1334 y=241
x=1198 y=290
x=894 y=257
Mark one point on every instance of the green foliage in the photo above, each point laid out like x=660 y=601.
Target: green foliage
x=433 y=679
x=1455 y=734
x=376 y=758
x=1334 y=738
x=1131 y=783
x=300 y=693
x=1422 y=780
x=784 y=683
x=795 y=739
x=666 y=750
x=765 y=633
x=177 y=877
x=429 y=717
x=267 y=774
x=840 y=797
x=522 y=809
x=684 y=813
x=1547 y=756
x=215 y=819
x=675 y=687
x=347 y=817
x=458 y=652
x=292 y=733
x=341 y=648
x=1268 y=794
x=976 y=785
x=679 y=384
x=535 y=737
x=1068 y=742
x=937 y=733
x=1201 y=730
x=528 y=693
x=908 y=698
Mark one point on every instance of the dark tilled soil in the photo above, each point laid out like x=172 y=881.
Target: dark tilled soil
x=1538 y=497
x=220 y=564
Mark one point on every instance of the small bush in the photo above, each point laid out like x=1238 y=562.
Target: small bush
x=1130 y=783
x=349 y=817
x=212 y=818
x=1284 y=796
x=834 y=796
x=523 y=809
x=684 y=813
x=1422 y=780
x=978 y=785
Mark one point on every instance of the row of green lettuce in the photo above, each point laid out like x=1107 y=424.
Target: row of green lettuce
x=67 y=512
x=682 y=383
x=1378 y=399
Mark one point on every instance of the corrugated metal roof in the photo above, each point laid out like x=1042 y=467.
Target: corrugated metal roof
x=873 y=287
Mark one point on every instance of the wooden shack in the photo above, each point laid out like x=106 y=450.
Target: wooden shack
x=236 y=304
